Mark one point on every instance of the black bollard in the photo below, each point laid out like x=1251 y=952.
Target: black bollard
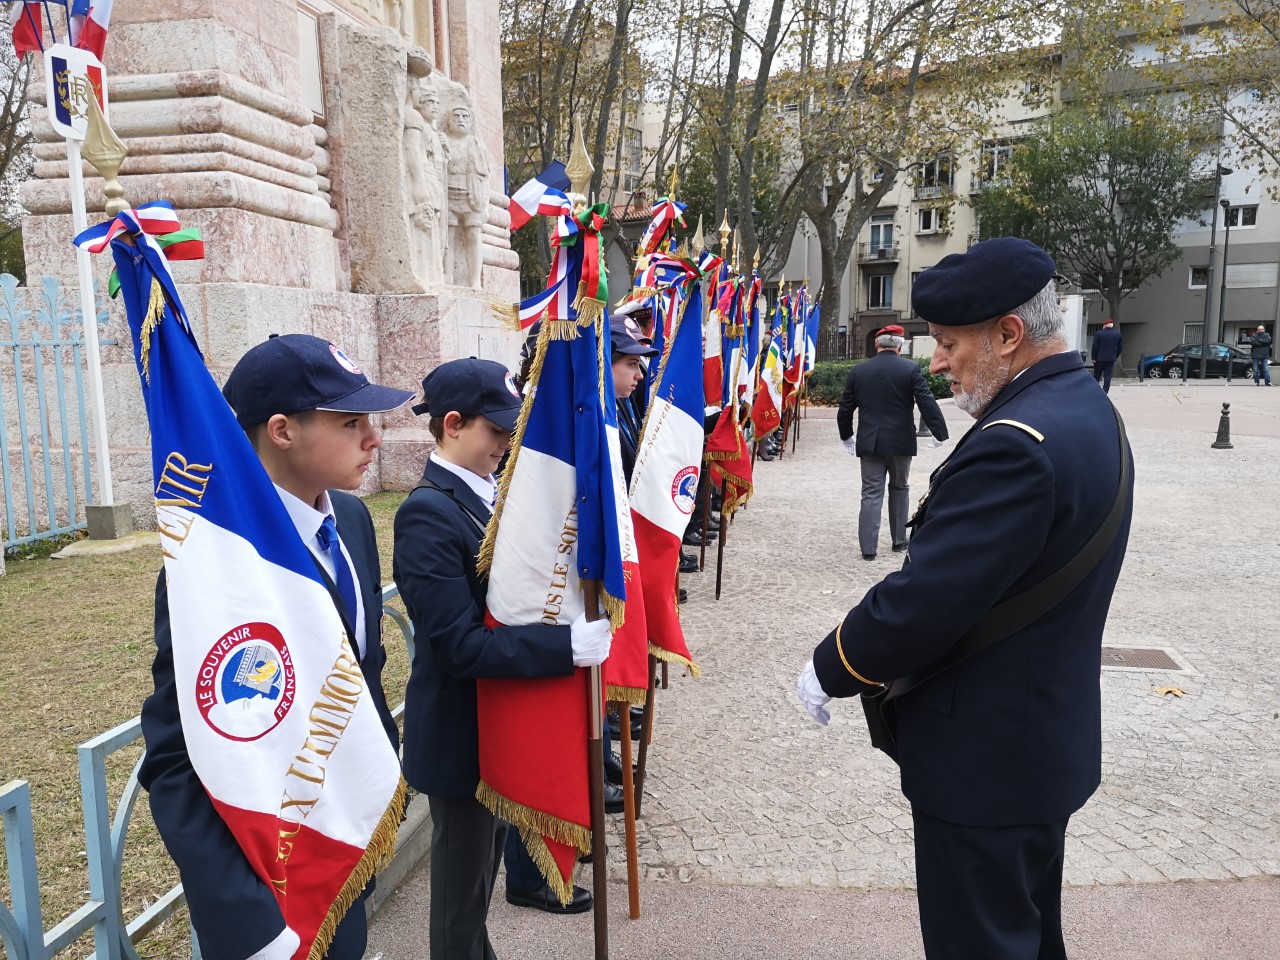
x=922 y=430
x=1224 y=429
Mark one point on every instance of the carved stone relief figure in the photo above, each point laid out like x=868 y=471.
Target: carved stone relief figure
x=468 y=194
x=426 y=166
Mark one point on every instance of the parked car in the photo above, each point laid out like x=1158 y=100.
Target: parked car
x=1187 y=355
x=1150 y=366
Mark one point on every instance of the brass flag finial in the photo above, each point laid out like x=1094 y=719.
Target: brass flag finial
x=698 y=244
x=106 y=152
x=673 y=182
x=756 y=262
x=725 y=230
x=579 y=168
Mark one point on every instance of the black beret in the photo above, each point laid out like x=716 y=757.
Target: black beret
x=992 y=278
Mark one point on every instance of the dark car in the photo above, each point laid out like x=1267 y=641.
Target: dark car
x=1187 y=355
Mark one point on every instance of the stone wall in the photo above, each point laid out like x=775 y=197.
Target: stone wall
x=307 y=219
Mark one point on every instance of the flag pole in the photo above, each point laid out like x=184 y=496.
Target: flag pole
x=724 y=530
x=595 y=761
x=706 y=512
x=646 y=733
x=629 y=811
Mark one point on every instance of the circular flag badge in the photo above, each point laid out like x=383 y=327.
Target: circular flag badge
x=344 y=361
x=511 y=385
x=246 y=684
x=684 y=489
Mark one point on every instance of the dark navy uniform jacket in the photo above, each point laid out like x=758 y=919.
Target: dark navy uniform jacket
x=233 y=911
x=1011 y=736
x=434 y=565
x=1107 y=344
x=885 y=389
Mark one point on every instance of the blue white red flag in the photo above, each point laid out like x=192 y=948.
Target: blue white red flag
x=811 y=336
x=278 y=722
x=545 y=194
x=89 y=22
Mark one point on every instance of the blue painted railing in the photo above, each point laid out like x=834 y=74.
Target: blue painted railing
x=22 y=924
x=43 y=413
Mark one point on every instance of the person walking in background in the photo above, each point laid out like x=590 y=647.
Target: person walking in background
x=1107 y=344
x=885 y=389
x=1260 y=343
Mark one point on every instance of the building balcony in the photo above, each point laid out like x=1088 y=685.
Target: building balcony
x=978 y=183
x=878 y=252
x=932 y=191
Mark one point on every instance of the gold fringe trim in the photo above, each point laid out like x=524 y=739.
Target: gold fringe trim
x=614 y=607
x=717 y=455
x=640 y=293
x=747 y=491
x=154 y=314
x=589 y=309
x=508 y=313
x=382 y=846
x=561 y=329
x=484 y=559
x=663 y=654
x=632 y=696
x=533 y=826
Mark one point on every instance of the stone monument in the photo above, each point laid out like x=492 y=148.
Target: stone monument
x=336 y=156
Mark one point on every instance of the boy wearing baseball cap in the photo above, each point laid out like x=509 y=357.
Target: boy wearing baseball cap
x=305 y=407
x=473 y=406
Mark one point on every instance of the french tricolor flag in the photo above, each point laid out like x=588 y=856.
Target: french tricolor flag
x=545 y=194
x=561 y=518
x=89 y=22
x=664 y=483
x=278 y=722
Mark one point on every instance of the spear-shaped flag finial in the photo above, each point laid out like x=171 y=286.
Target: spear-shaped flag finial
x=579 y=168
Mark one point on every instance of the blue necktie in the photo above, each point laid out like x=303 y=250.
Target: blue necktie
x=328 y=537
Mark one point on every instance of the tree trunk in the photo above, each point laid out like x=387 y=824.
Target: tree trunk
x=616 y=51
x=723 y=152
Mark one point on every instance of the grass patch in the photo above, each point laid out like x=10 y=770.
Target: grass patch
x=75 y=660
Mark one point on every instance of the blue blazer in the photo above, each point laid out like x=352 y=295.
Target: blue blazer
x=885 y=389
x=1013 y=735
x=233 y=911
x=434 y=565
x=1107 y=344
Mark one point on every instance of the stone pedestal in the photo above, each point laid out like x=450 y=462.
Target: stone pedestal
x=303 y=213
x=109 y=523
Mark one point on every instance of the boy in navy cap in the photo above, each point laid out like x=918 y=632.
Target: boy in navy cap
x=985 y=646
x=474 y=406
x=305 y=407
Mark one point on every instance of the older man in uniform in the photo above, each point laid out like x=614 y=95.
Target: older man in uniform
x=885 y=390
x=979 y=661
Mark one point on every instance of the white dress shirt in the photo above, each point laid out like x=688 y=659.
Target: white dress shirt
x=307 y=519
x=483 y=487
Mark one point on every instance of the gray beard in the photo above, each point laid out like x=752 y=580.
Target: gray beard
x=990 y=380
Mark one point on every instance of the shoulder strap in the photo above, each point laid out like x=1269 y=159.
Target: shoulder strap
x=1007 y=618
x=470 y=514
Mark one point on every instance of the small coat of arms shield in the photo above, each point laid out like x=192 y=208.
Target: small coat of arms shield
x=71 y=76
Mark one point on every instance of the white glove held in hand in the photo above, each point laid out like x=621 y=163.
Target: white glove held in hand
x=934 y=443
x=811 y=694
x=850 y=446
x=590 y=641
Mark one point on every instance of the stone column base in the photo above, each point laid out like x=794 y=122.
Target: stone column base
x=109 y=522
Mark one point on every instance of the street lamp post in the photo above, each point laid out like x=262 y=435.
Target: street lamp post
x=1222 y=294
x=1219 y=172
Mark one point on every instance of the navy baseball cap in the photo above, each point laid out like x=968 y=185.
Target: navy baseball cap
x=473 y=388
x=992 y=278
x=297 y=372
x=623 y=341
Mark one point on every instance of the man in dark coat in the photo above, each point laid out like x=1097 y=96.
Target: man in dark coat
x=998 y=749
x=1107 y=344
x=885 y=390
x=1260 y=353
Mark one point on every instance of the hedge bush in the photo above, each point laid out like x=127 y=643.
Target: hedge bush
x=826 y=382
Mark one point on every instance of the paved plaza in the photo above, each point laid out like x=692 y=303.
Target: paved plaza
x=765 y=835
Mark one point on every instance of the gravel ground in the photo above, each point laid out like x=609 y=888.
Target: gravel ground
x=765 y=835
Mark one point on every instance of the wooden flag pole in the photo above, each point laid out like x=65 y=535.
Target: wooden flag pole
x=724 y=530
x=706 y=512
x=595 y=761
x=630 y=810
x=646 y=733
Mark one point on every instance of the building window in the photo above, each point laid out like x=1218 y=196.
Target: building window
x=880 y=291
x=995 y=162
x=931 y=220
x=934 y=177
x=1242 y=216
x=1032 y=88
x=1197 y=278
x=881 y=232
x=1192 y=333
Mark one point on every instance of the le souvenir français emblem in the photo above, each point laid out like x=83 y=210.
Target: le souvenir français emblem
x=511 y=385
x=246 y=685
x=684 y=489
x=344 y=361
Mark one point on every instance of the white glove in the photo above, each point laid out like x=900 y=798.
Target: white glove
x=282 y=947
x=590 y=640
x=935 y=443
x=811 y=694
x=851 y=446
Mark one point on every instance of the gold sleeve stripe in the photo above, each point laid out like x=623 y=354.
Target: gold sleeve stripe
x=1021 y=426
x=844 y=660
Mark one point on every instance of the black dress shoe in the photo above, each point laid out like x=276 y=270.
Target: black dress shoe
x=612 y=798
x=544 y=899
x=868 y=556
x=615 y=731
x=613 y=769
x=694 y=538
x=899 y=547
x=768 y=456
x=684 y=595
x=688 y=564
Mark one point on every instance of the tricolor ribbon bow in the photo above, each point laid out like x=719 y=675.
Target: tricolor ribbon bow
x=158 y=223
x=595 y=283
x=665 y=212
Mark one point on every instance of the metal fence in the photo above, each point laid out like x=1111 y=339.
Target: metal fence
x=22 y=931
x=44 y=470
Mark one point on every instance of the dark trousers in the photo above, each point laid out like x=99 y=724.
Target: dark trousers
x=466 y=848
x=989 y=892
x=1261 y=368
x=1102 y=373
x=874 y=470
x=352 y=935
